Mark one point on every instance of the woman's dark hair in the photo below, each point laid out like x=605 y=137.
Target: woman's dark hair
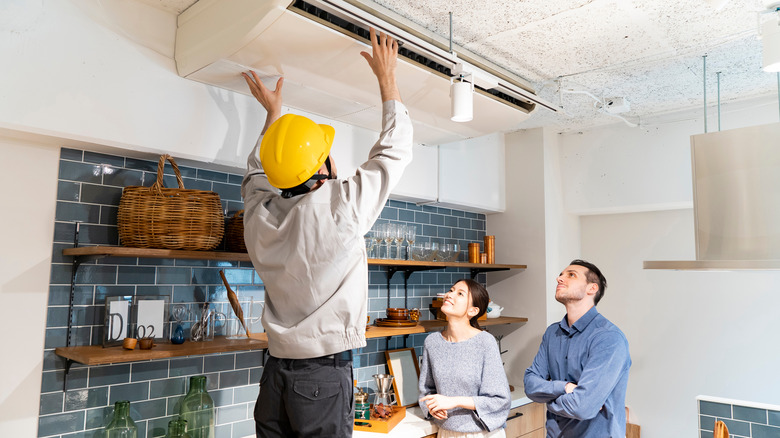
x=479 y=297
x=594 y=275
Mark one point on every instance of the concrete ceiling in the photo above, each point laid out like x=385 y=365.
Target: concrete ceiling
x=649 y=52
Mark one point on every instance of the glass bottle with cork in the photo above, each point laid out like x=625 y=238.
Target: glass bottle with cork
x=197 y=408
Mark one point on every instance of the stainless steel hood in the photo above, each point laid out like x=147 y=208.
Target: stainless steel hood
x=736 y=201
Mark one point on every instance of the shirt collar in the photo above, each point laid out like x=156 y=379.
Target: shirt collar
x=581 y=323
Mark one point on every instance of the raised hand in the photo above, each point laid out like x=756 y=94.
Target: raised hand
x=383 y=62
x=271 y=100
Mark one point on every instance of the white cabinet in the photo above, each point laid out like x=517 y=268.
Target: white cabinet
x=472 y=175
x=421 y=178
x=466 y=175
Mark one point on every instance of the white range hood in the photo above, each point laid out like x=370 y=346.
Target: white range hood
x=315 y=45
x=736 y=201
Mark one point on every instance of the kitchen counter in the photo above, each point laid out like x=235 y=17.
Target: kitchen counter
x=414 y=426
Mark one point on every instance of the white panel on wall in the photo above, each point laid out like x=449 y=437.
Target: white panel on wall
x=705 y=332
x=471 y=174
x=101 y=77
x=420 y=182
x=27 y=226
x=617 y=168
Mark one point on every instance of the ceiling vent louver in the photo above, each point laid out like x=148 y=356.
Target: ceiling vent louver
x=315 y=44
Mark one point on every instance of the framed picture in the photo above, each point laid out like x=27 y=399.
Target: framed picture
x=150 y=317
x=116 y=326
x=405 y=369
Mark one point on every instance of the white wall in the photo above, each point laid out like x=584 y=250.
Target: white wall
x=28 y=196
x=520 y=240
x=690 y=333
x=535 y=231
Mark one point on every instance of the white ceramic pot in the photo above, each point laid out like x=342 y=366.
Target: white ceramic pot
x=494 y=310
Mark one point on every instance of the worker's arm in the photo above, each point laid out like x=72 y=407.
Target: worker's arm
x=382 y=62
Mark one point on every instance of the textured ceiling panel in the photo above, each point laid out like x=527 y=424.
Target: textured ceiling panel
x=648 y=51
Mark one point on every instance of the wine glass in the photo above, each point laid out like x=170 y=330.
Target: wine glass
x=388 y=231
x=369 y=244
x=400 y=231
x=410 y=235
x=377 y=236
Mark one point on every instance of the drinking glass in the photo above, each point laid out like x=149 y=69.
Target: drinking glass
x=435 y=248
x=388 y=233
x=455 y=252
x=400 y=231
x=369 y=245
x=377 y=235
x=410 y=235
x=445 y=252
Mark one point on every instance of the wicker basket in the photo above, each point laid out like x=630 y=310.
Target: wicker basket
x=234 y=233
x=158 y=217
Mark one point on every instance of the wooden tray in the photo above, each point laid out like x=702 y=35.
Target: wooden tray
x=382 y=322
x=382 y=425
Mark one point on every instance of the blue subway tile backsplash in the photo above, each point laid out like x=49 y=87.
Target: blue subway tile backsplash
x=89 y=189
x=741 y=418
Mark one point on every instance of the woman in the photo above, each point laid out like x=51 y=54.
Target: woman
x=462 y=381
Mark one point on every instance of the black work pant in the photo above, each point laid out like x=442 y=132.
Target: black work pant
x=306 y=398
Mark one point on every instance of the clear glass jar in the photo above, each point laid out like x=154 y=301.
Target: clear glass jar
x=177 y=428
x=121 y=425
x=197 y=408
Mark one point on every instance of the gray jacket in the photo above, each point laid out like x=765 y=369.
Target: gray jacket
x=310 y=252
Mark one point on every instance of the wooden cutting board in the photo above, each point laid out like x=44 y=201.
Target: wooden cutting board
x=632 y=430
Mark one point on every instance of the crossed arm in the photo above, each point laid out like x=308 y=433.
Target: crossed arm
x=582 y=400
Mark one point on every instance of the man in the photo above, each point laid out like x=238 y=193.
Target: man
x=307 y=246
x=581 y=369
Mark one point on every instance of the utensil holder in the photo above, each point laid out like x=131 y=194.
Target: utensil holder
x=474 y=253
x=490 y=249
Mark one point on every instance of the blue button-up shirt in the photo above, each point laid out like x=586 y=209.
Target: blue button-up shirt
x=593 y=354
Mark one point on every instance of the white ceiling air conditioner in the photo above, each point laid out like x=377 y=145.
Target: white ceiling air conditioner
x=315 y=45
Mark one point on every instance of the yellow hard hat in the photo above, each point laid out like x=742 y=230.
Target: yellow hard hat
x=293 y=149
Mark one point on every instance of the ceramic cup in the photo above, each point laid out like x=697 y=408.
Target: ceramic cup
x=146 y=343
x=129 y=343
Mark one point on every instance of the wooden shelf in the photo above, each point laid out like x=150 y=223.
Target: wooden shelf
x=434 y=325
x=97 y=355
x=122 y=251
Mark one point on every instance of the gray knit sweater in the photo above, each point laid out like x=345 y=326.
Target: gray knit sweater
x=468 y=368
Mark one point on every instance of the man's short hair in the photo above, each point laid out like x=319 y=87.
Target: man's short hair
x=593 y=275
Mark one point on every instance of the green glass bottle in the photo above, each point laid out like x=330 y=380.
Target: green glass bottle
x=121 y=425
x=177 y=428
x=197 y=408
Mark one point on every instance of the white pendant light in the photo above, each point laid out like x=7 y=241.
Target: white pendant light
x=462 y=100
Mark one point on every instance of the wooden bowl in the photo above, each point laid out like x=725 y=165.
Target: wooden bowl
x=397 y=314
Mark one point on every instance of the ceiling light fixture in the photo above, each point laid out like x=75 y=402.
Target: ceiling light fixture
x=462 y=97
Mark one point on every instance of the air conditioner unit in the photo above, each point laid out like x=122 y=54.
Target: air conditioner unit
x=315 y=45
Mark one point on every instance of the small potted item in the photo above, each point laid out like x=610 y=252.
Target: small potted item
x=493 y=310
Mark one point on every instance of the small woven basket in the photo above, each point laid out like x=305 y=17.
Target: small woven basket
x=159 y=217
x=234 y=233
